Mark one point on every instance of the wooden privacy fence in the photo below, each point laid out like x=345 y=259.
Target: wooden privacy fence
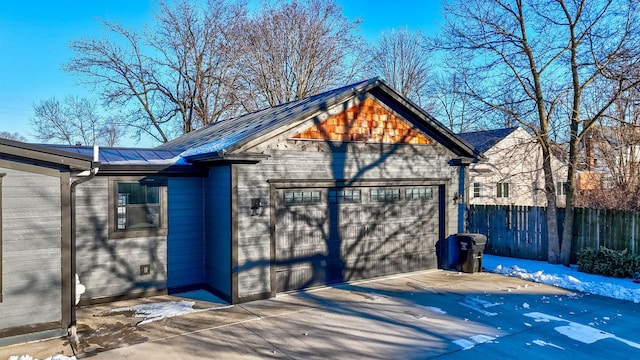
x=521 y=231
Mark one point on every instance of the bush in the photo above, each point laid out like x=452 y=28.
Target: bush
x=608 y=262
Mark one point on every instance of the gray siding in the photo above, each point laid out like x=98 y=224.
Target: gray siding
x=111 y=267
x=185 y=241
x=254 y=251
x=31 y=221
x=218 y=229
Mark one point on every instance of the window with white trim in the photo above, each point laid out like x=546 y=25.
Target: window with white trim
x=477 y=190
x=561 y=188
x=502 y=190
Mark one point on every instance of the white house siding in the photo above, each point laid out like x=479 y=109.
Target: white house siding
x=517 y=160
x=360 y=162
x=31 y=248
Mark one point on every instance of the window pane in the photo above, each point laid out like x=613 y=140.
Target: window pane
x=138 y=206
x=419 y=194
x=336 y=196
x=385 y=194
x=301 y=197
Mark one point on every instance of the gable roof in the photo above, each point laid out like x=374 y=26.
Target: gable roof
x=484 y=140
x=215 y=140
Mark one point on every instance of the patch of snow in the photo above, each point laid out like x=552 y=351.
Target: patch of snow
x=565 y=277
x=158 y=311
x=432 y=309
x=544 y=343
x=469 y=343
x=464 y=343
x=579 y=332
x=479 y=305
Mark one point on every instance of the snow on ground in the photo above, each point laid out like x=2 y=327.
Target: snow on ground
x=565 y=277
x=161 y=310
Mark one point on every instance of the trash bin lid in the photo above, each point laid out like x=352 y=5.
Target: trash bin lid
x=475 y=238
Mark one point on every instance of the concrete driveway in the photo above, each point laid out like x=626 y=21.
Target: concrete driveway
x=430 y=314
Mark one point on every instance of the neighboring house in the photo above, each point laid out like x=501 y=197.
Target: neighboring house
x=611 y=158
x=353 y=183
x=511 y=173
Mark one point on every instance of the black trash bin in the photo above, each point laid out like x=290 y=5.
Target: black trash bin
x=471 y=247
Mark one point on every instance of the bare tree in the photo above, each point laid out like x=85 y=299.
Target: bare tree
x=72 y=121
x=402 y=59
x=177 y=69
x=450 y=103
x=12 y=136
x=290 y=50
x=546 y=57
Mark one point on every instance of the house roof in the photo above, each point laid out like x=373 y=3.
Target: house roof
x=484 y=140
x=43 y=154
x=121 y=156
x=220 y=138
x=119 y=160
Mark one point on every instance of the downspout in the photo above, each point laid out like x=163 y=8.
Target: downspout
x=462 y=199
x=86 y=176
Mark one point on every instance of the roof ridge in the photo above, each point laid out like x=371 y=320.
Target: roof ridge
x=490 y=130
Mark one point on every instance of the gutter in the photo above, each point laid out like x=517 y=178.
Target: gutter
x=85 y=176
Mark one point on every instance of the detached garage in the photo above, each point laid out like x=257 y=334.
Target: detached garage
x=353 y=183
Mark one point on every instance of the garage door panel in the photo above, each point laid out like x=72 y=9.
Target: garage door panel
x=355 y=233
x=298 y=276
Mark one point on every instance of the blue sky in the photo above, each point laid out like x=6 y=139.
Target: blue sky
x=34 y=38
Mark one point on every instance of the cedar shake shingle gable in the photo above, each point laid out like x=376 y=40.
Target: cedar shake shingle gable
x=367 y=121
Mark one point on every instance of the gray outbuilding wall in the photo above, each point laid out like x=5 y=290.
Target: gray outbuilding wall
x=31 y=249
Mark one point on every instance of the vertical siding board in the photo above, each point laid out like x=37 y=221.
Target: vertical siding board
x=218 y=230
x=185 y=240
